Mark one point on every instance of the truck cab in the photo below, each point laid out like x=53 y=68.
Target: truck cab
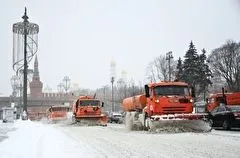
x=87 y=106
x=169 y=98
x=90 y=109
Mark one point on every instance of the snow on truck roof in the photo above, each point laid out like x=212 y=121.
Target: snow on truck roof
x=168 y=83
x=55 y=106
x=87 y=97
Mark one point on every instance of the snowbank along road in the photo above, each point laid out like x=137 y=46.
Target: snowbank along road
x=37 y=140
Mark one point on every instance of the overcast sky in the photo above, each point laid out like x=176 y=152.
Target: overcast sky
x=79 y=38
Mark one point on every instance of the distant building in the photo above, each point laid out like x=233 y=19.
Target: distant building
x=38 y=102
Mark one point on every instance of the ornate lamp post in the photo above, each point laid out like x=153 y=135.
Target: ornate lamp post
x=24 y=48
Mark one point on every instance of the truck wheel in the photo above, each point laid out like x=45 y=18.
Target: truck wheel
x=226 y=125
x=73 y=119
x=211 y=122
x=147 y=122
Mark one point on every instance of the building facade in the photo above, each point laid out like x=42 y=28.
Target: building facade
x=38 y=102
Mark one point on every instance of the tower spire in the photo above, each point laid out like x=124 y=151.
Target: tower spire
x=36 y=71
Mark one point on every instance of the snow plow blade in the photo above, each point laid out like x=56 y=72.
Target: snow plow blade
x=170 y=123
x=179 y=123
x=91 y=120
x=59 y=121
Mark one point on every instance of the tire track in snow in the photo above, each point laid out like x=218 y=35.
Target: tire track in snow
x=116 y=141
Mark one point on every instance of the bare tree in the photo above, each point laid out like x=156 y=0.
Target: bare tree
x=161 y=66
x=151 y=72
x=158 y=69
x=225 y=62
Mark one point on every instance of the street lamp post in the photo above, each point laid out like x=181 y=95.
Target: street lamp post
x=66 y=83
x=26 y=32
x=169 y=57
x=25 y=22
x=104 y=94
x=112 y=81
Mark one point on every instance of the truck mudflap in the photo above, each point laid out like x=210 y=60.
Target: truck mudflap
x=179 y=123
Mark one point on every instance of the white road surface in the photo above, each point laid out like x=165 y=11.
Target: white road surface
x=37 y=140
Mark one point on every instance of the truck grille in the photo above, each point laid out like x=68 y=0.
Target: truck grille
x=184 y=100
x=171 y=110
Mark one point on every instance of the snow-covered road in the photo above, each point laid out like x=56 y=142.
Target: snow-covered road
x=37 y=140
x=116 y=141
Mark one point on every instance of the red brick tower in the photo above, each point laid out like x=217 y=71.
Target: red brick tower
x=36 y=85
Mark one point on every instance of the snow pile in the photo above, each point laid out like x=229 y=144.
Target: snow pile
x=36 y=140
x=4 y=129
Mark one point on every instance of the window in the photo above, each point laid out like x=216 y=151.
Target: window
x=171 y=90
x=89 y=103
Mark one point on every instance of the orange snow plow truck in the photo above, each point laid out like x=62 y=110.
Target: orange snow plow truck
x=165 y=104
x=88 y=110
x=57 y=113
x=229 y=99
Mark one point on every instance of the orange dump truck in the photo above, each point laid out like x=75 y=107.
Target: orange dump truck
x=229 y=99
x=163 y=104
x=88 y=110
x=58 y=113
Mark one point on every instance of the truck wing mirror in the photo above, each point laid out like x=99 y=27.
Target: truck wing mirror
x=147 y=91
x=207 y=100
x=193 y=92
x=102 y=104
x=224 y=99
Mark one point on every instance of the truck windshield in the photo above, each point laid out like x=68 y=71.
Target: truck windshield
x=171 y=90
x=89 y=103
